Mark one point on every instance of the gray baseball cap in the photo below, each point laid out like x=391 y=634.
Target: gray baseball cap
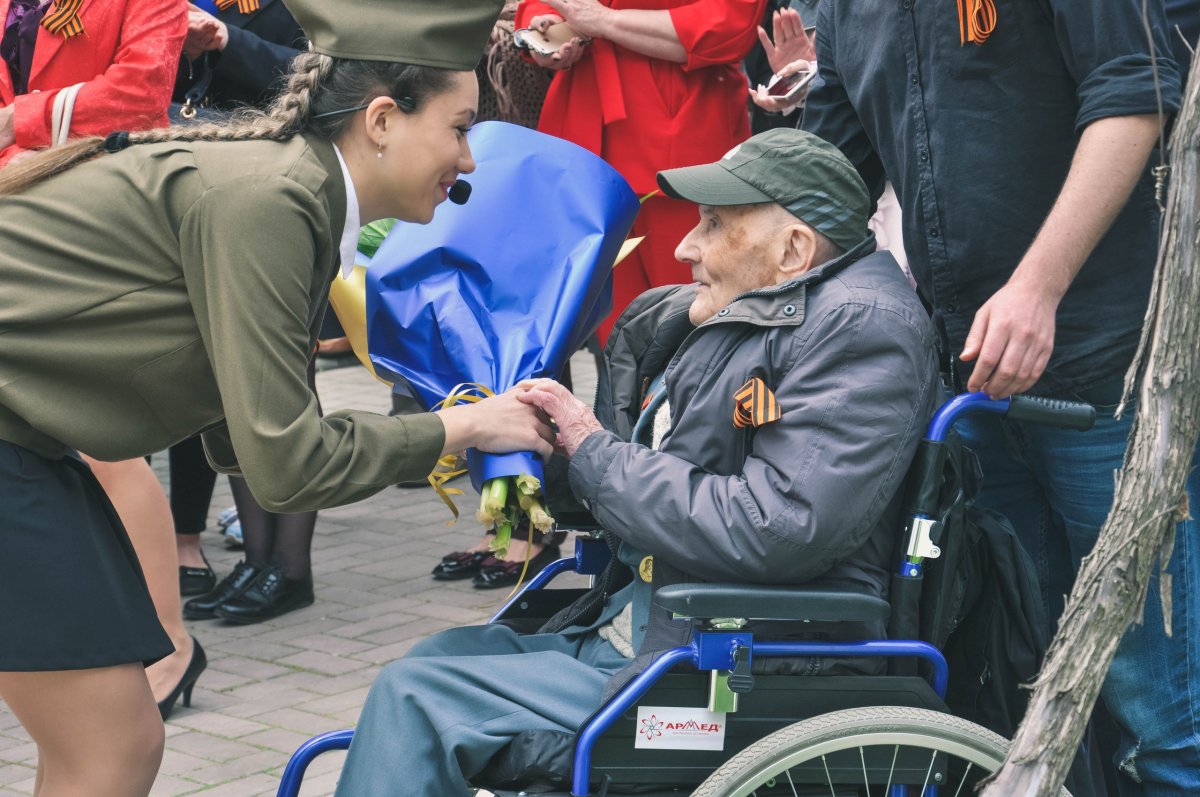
x=806 y=175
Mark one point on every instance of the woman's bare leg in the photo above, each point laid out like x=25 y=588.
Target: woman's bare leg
x=97 y=731
x=140 y=501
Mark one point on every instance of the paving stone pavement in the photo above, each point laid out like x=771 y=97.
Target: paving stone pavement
x=269 y=687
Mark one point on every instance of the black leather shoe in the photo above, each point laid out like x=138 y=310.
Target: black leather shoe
x=234 y=584
x=196 y=580
x=196 y=666
x=506 y=574
x=270 y=595
x=459 y=565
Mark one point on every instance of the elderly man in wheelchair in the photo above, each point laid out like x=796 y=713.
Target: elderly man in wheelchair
x=799 y=372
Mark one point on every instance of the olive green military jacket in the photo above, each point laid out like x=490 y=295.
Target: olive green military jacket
x=177 y=288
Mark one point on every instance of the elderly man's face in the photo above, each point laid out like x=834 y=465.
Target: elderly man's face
x=727 y=252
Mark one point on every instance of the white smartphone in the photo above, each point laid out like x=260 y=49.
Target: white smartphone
x=788 y=88
x=545 y=43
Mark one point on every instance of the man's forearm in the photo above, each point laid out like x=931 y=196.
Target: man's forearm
x=1109 y=161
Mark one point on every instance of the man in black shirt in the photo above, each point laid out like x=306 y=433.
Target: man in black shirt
x=1018 y=147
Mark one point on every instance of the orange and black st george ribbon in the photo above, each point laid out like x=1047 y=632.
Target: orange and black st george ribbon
x=976 y=20
x=754 y=405
x=244 y=6
x=63 y=19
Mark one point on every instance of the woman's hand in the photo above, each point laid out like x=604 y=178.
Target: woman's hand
x=8 y=136
x=205 y=32
x=586 y=17
x=567 y=56
x=574 y=419
x=498 y=425
x=778 y=104
x=791 y=42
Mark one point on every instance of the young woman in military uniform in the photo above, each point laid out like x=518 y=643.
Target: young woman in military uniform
x=170 y=282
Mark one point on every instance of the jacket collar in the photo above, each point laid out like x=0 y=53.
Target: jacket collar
x=335 y=190
x=783 y=305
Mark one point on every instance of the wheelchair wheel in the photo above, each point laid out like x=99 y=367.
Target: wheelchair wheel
x=863 y=752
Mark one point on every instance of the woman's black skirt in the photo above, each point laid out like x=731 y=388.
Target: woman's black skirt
x=72 y=594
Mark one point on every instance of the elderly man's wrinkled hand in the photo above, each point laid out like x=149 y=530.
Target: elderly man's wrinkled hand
x=512 y=425
x=574 y=419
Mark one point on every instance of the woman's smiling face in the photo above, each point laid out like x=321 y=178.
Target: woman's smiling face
x=430 y=151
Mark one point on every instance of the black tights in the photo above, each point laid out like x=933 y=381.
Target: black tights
x=273 y=538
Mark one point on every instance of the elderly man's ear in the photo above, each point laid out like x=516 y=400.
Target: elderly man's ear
x=797 y=252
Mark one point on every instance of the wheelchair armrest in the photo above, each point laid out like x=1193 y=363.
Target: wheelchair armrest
x=752 y=602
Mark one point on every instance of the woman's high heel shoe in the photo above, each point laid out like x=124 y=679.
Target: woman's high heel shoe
x=184 y=687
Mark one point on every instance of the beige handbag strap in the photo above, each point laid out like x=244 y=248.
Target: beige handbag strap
x=60 y=118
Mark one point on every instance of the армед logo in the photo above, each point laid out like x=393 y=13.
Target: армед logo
x=651 y=727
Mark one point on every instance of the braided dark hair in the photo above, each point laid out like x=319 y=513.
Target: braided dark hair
x=318 y=86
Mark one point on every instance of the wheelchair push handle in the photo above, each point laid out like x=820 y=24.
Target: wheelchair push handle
x=1031 y=409
x=1052 y=412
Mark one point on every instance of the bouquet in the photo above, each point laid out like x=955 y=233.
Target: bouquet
x=501 y=289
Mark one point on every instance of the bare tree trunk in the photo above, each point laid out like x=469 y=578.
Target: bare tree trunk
x=1150 y=494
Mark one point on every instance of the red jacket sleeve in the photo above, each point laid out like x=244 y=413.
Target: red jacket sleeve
x=133 y=92
x=717 y=31
x=528 y=9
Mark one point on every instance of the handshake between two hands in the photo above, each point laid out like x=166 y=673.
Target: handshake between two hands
x=573 y=418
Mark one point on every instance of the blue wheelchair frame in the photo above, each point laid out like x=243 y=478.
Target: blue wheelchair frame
x=718 y=650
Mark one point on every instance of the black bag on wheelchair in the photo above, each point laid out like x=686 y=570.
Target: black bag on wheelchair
x=979 y=601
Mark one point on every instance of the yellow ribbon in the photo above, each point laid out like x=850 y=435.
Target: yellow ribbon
x=349 y=300
x=448 y=466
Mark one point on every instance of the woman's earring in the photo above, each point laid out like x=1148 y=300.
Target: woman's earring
x=379 y=154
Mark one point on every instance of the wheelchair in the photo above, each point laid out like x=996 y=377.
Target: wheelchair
x=835 y=735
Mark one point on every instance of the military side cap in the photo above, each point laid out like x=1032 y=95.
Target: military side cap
x=792 y=168
x=448 y=34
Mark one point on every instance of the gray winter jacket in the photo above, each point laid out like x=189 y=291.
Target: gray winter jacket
x=848 y=351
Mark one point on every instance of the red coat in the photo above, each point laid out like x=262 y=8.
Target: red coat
x=127 y=57
x=643 y=114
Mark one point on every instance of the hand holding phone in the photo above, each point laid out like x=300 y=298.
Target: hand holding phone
x=788 y=88
x=546 y=42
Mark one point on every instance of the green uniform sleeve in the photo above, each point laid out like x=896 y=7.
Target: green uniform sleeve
x=248 y=250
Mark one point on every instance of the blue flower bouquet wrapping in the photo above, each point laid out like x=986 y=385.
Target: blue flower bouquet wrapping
x=503 y=288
